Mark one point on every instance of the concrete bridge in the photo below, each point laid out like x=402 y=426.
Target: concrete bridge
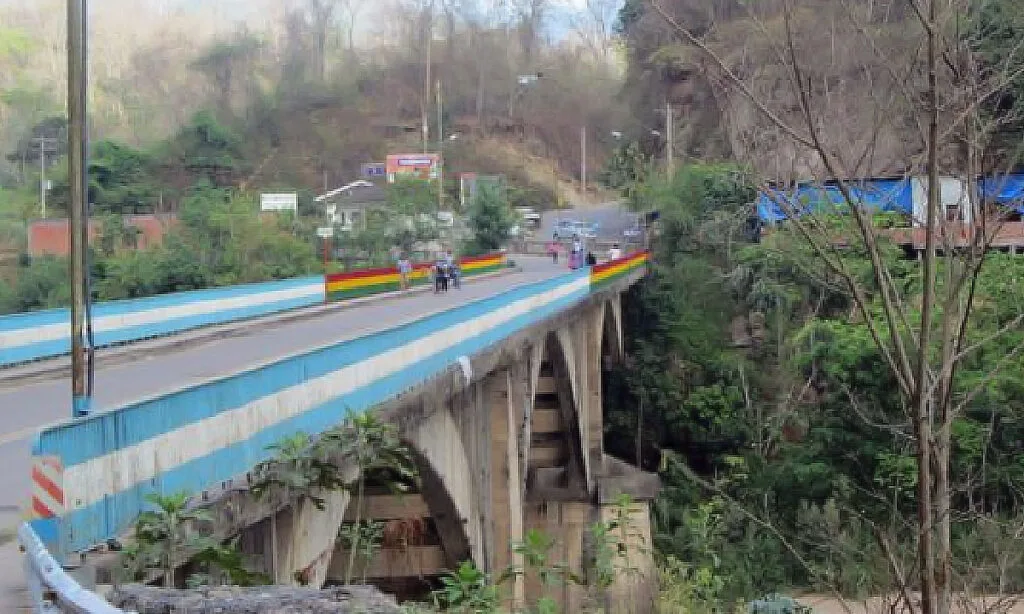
x=497 y=390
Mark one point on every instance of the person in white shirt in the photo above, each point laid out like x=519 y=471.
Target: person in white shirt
x=614 y=253
x=404 y=268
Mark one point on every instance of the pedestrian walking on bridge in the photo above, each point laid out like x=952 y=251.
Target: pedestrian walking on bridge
x=404 y=270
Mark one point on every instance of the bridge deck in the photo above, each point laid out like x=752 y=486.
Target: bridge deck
x=26 y=408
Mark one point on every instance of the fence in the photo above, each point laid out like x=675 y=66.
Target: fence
x=94 y=473
x=45 y=334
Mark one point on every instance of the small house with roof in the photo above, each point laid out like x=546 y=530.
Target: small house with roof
x=348 y=206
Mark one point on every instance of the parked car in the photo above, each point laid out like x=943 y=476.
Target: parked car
x=529 y=216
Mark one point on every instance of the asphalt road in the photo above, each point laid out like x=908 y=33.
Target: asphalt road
x=26 y=408
x=612 y=220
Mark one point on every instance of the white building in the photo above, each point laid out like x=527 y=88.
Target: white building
x=347 y=207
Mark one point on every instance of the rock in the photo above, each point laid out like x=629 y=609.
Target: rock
x=253 y=600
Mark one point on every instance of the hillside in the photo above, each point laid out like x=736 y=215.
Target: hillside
x=311 y=89
x=861 y=68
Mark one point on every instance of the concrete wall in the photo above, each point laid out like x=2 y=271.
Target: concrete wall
x=45 y=334
x=52 y=236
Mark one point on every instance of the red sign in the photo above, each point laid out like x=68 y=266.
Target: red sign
x=415 y=166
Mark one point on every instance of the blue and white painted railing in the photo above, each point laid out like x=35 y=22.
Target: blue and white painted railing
x=50 y=587
x=95 y=472
x=33 y=336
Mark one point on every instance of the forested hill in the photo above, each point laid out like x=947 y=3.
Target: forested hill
x=309 y=89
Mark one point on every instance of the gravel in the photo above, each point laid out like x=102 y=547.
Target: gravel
x=253 y=600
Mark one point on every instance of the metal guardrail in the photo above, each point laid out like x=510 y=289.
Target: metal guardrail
x=51 y=588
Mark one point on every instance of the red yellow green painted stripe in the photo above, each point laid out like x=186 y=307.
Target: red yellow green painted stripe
x=482 y=264
x=341 y=286
x=610 y=271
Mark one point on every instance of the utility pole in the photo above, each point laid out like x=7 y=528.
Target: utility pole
x=42 y=172
x=670 y=163
x=583 y=158
x=440 y=149
x=426 y=79
x=78 y=183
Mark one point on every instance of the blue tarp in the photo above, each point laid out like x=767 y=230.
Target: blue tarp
x=1006 y=190
x=887 y=195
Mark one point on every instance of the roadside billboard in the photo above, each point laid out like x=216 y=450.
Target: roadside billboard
x=413 y=166
x=279 y=202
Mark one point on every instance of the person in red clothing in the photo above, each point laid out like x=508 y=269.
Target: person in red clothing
x=553 y=248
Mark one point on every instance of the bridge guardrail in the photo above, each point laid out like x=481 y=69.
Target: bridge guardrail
x=26 y=337
x=536 y=247
x=353 y=284
x=51 y=588
x=98 y=469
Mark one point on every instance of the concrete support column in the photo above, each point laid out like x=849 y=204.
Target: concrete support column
x=593 y=330
x=304 y=538
x=566 y=523
x=506 y=497
x=636 y=589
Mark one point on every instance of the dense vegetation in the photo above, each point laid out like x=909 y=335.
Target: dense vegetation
x=828 y=412
x=777 y=428
x=220 y=237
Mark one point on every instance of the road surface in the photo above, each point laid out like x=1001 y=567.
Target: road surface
x=611 y=219
x=25 y=408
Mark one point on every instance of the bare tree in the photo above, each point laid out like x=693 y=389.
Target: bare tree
x=595 y=27
x=321 y=14
x=842 y=91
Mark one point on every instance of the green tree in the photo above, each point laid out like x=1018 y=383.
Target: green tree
x=467 y=590
x=208 y=150
x=490 y=219
x=627 y=171
x=299 y=468
x=121 y=179
x=412 y=216
x=375 y=449
x=164 y=537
